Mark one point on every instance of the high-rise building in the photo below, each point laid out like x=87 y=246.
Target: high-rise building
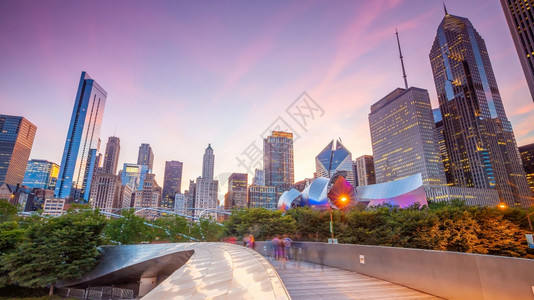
x=145 y=156
x=151 y=194
x=365 y=169
x=105 y=192
x=172 y=182
x=237 y=191
x=125 y=198
x=442 y=146
x=520 y=20
x=190 y=197
x=262 y=196
x=180 y=204
x=133 y=175
x=111 y=158
x=208 y=163
x=16 y=140
x=478 y=136
x=81 y=145
x=404 y=138
x=278 y=161
x=41 y=174
x=334 y=159
x=527 y=156
x=259 y=177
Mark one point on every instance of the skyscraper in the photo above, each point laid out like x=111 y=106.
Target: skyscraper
x=334 y=159
x=151 y=194
x=479 y=139
x=105 y=192
x=134 y=175
x=41 y=174
x=403 y=137
x=145 y=156
x=520 y=20
x=365 y=169
x=208 y=163
x=259 y=177
x=16 y=140
x=172 y=182
x=81 y=145
x=278 y=161
x=262 y=196
x=237 y=191
x=111 y=158
x=527 y=156
x=206 y=189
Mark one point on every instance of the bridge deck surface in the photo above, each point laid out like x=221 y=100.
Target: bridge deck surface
x=305 y=280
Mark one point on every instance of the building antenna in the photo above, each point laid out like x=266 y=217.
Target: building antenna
x=445 y=8
x=402 y=61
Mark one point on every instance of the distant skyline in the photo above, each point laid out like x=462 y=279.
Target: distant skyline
x=180 y=76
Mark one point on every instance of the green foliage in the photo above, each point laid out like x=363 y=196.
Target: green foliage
x=130 y=229
x=172 y=228
x=260 y=222
x=10 y=235
x=207 y=230
x=60 y=248
x=8 y=212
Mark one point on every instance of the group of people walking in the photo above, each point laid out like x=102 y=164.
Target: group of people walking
x=282 y=247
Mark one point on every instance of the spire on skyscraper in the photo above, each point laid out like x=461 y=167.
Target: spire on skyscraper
x=445 y=8
x=402 y=61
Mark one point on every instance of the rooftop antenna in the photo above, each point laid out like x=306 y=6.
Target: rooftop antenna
x=402 y=61
x=115 y=131
x=445 y=8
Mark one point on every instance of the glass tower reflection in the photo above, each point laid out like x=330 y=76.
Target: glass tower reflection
x=81 y=146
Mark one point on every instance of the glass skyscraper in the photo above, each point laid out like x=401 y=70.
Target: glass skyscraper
x=16 y=140
x=334 y=158
x=145 y=156
x=172 y=182
x=278 y=161
x=111 y=158
x=480 y=143
x=81 y=146
x=134 y=175
x=41 y=174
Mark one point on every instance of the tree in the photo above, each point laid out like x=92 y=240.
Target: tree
x=207 y=230
x=172 y=228
x=130 y=229
x=7 y=211
x=260 y=222
x=60 y=248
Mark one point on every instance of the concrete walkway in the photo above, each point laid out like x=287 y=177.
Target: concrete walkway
x=305 y=280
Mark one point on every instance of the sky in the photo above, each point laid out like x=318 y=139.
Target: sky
x=181 y=75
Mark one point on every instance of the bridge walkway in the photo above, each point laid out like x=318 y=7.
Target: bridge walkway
x=304 y=280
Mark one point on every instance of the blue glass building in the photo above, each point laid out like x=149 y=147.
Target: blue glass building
x=134 y=175
x=81 y=146
x=41 y=174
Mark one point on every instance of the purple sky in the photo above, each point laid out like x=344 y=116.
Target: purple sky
x=180 y=75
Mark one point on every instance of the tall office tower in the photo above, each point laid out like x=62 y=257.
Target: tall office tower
x=438 y=119
x=16 y=140
x=259 y=177
x=180 y=203
x=404 y=138
x=354 y=171
x=145 y=156
x=172 y=182
x=237 y=191
x=527 y=156
x=262 y=196
x=479 y=138
x=190 y=197
x=111 y=158
x=205 y=195
x=134 y=175
x=81 y=145
x=334 y=159
x=278 y=161
x=41 y=174
x=520 y=20
x=208 y=163
x=151 y=194
x=105 y=192
x=365 y=169
x=125 y=198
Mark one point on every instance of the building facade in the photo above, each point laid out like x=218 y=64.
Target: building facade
x=334 y=159
x=442 y=146
x=82 y=142
x=105 y=192
x=404 y=139
x=41 y=174
x=278 y=162
x=134 y=175
x=480 y=142
x=527 y=156
x=520 y=19
x=365 y=169
x=172 y=182
x=262 y=196
x=16 y=141
x=111 y=157
x=206 y=189
x=237 y=191
x=150 y=196
x=259 y=177
x=145 y=156
x=208 y=163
